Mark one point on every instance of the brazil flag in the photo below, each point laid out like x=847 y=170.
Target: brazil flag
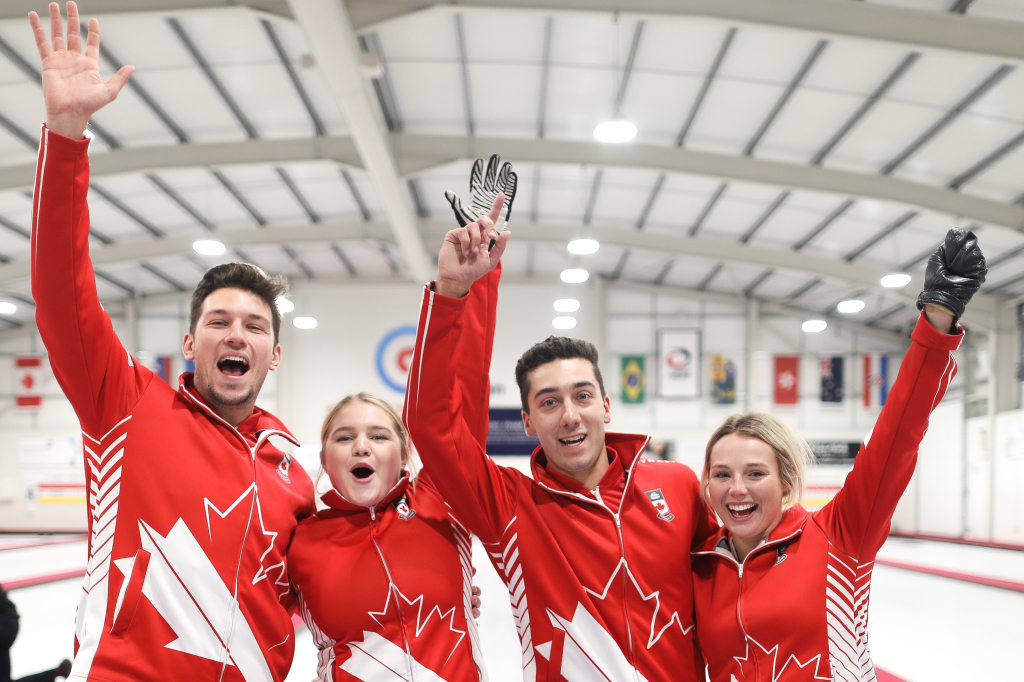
x=634 y=380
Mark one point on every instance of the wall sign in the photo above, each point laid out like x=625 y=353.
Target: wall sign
x=679 y=363
x=394 y=357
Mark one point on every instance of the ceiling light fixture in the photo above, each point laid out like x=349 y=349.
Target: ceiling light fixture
x=563 y=305
x=208 y=247
x=305 y=322
x=9 y=308
x=851 y=305
x=615 y=131
x=814 y=326
x=566 y=322
x=284 y=305
x=896 y=280
x=574 y=275
x=584 y=247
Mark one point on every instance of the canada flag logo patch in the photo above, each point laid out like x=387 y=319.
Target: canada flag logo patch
x=657 y=498
x=405 y=512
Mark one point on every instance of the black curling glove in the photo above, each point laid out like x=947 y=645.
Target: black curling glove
x=955 y=271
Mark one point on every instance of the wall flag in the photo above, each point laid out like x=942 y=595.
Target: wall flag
x=634 y=379
x=832 y=379
x=787 y=380
x=679 y=363
x=876 y=379
x=723 y=380
x=28 y=381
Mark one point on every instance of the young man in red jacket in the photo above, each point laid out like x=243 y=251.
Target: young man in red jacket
x=190 y=506
x=595 y=547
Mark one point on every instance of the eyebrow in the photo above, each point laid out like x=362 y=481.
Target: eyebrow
x=370 y=428
x=578 y=384
x=222 y=311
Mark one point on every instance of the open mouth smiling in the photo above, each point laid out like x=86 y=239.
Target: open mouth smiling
x=362 y=471
x=741 y=511
x=233 y=365
x=572 y=441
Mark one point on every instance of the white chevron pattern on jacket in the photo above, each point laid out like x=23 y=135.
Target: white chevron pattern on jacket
x=846 y=603
x=506 y=560
x=103 y=458
x=324 y=644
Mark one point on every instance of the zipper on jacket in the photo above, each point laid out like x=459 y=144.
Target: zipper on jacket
x=394 y=590
x=622 y=560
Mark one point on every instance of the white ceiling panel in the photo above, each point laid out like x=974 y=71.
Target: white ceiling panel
x=429 y=96
x=501 y=37
x=807 y=123
x=881 y=135
x=675 y=95
x=505 y=99
x=425 y=36
x=724 y=125
x=579 y=97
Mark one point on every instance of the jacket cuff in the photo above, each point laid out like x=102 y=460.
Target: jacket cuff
x=59 y=143
x=456 y=304
x=930 y=337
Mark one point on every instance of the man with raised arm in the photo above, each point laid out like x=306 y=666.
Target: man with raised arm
x=595 y=548
x=190 y=506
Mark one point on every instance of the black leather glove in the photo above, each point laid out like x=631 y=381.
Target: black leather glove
x=955 y=271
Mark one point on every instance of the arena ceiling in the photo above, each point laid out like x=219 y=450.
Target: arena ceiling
x=792 y=151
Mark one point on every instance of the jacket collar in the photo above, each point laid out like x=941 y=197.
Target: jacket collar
x=335 y=500
x=259 y=421
x=628 y=446
x=792 y=523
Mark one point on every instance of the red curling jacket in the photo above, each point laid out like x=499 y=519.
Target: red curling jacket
x=796 y=609
x=387 y=588
x=600 y=580
x=189 y=517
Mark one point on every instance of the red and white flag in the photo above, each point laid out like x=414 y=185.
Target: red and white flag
x=787 y=380
x=28 y=392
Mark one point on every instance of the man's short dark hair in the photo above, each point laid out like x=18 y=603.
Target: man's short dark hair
x=239 y=276
x=551 y=349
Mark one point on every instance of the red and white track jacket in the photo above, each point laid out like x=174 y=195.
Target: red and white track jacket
x=189 y=517
x=599 y=591
x=796 y=609
x=385 y=590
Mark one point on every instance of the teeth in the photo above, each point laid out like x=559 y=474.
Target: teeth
x=741 y=507
x=572 y=441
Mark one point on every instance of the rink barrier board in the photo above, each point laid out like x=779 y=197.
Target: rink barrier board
x=977 y=542
x=954 y=575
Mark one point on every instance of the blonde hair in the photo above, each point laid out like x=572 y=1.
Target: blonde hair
x=792 y=453
x=370 y=398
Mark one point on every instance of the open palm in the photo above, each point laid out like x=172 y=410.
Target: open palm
x=72 y=87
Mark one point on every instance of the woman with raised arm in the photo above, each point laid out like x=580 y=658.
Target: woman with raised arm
x=382 y=575
x=781 y=593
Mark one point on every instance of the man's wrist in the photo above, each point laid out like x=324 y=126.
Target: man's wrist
x=68 y=127
x=450 y=289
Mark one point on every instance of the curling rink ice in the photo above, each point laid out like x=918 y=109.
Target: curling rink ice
x=923 y=628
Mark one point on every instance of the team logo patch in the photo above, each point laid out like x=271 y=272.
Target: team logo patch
x=405 y=512
x=657 y=498
x=282 y=468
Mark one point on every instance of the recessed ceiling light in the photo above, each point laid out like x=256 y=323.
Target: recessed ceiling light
x=852 y=305
x=814 y=326
x=565 y=322
x=284 y=305
x=9 y=308
x=615 y=131
x=208 y=247
x=574 y=275
x=563 y=305
x=584 y=247
x=305 y=322
x=896 y=280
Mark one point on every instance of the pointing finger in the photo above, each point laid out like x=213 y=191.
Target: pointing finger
x=495 y=212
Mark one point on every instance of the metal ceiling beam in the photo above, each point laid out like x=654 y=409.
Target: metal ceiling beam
x=333 y=42
x=705 y=86
x=545 y=68
x=706 y=211
x=765 y=216
x=993 y=37
x=418 y=153
x=467 y=93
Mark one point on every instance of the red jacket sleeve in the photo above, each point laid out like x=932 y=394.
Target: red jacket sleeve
x=446 y=407
x=857 y=520
x=92 y=367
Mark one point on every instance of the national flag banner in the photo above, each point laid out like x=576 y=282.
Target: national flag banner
x=634 y=379
x=679 y=363
x=876 y=379
x=163 y=365
x=28 y=392
x=832 y=379
x=723 y=380
x=787 y=380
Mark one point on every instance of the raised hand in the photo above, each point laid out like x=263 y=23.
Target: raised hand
x=465 y=255
x=72 y=87
x=955 y=271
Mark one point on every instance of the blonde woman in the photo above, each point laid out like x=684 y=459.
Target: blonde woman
x=383 y=574
x=781 y=594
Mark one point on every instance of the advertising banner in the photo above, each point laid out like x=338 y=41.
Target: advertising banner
x=787 y=380
x=723 y=380
x=634 y=379
x=679 y=363
x=832 y=379
x=506 y=435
